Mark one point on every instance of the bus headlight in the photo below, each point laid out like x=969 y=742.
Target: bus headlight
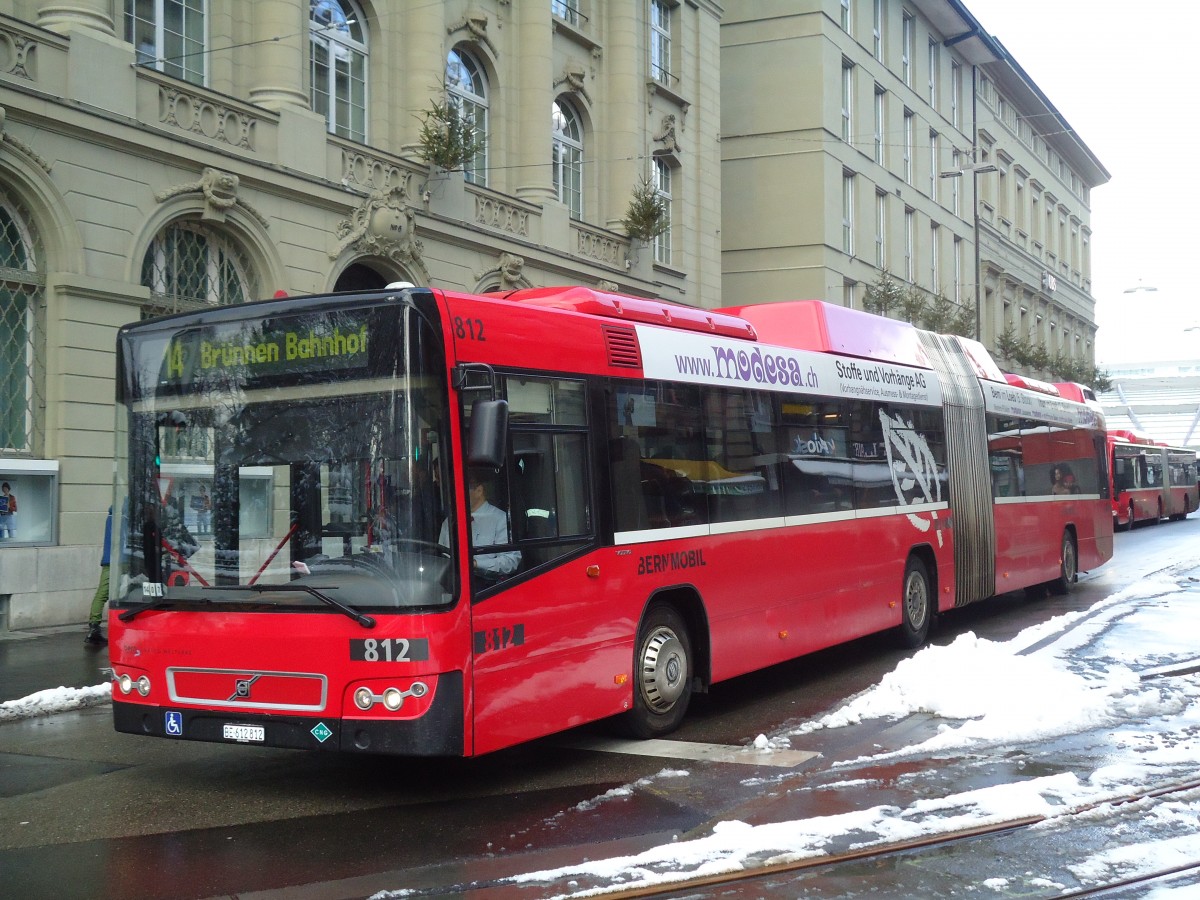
x=391 y=696
x=125 y=683
x=143 y=686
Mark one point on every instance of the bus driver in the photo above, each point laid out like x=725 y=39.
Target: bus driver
x=489 y=527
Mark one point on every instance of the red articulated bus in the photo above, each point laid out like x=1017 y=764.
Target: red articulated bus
x=421 y=522
x=1150 y=480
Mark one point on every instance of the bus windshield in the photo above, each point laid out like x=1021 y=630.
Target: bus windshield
x=284 y=461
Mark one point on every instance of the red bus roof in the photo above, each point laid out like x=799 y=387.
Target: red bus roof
x=816 y=325
x=632 y=309
x=1032 y=384
x=1129 y=436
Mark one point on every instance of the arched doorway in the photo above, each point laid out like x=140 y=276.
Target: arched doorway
x=360 y=277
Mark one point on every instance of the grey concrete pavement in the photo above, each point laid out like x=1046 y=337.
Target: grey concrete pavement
x=38 y=659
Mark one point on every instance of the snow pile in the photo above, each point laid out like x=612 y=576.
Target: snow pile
x=1073 y=674
x=58 y=699
x=1002 y=695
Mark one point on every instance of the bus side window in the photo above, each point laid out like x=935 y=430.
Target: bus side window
x=1006 y=456
x=549 y=493
x=661 y=426
x=741 y=477
x=549 y=507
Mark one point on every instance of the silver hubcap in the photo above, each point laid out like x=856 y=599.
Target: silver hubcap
x=916 y=600
x=1068 y=563
x=664 y=670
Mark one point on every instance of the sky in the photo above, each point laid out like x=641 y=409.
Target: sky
x=1081 y=673
x=1122 y=76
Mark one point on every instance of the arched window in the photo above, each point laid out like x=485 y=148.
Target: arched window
x=188 y=266
x=568 y=157
x=466 y=89
x=21 y=287
x=168 y=35
x=338 y=44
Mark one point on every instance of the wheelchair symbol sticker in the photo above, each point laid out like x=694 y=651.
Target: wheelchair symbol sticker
x=175 y=724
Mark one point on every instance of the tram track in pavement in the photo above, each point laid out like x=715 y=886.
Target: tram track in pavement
x=770 y=879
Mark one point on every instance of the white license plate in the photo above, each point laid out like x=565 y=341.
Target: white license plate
x=244 y=733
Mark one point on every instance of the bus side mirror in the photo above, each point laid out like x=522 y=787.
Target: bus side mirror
x=488 y=438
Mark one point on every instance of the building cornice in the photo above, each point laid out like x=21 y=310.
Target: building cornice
x=969 y=38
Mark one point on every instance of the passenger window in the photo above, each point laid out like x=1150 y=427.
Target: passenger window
x=657 y=456
x=741 y=478
x=818 y=475
x=1005 y=457
x=549 y=468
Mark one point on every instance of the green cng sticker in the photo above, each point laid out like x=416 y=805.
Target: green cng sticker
x=321 y=732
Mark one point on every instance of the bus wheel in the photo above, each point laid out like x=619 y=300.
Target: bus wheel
x=917 y=604
x=662 y=674
x=1068 y=567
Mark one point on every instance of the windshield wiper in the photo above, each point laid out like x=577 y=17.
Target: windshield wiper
x=364 y=620
x=138 y=610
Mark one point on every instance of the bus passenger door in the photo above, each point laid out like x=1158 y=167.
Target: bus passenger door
x=537 y=635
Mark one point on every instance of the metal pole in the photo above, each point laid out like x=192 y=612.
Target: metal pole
x=975 y=200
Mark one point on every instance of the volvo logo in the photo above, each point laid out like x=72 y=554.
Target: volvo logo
x=242 y=688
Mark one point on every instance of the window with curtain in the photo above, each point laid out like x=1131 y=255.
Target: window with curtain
x=168 y=35
x=338 y=48
x=188 y=266
x=466 y=90
x=568 y=157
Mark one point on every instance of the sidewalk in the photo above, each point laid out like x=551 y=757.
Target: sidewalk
x=42 y=658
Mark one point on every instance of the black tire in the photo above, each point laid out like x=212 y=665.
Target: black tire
x=662 y=674
x=916 y=604
x=1068 y=566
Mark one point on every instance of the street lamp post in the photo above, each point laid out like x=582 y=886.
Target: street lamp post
x=975 y=171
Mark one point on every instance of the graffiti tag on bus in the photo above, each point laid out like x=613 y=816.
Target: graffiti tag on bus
x=913 y=468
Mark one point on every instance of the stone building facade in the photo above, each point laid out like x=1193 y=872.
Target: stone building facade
x=864 y=136
x=161 y=155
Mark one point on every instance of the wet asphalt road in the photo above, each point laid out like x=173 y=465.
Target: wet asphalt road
x=86 y=812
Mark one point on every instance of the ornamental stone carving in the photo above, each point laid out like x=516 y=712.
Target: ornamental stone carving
x=573 y=78
x=220 y=192
x=666 y=136
x=383 y=225
x=475 y=24
x=18 y=56
x=373 y=172
x=494 y=213
x=509 y=271
x=202 y=116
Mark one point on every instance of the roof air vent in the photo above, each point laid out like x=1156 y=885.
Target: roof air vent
x=623 y=349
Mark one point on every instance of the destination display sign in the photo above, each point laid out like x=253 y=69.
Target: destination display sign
x=331 y=342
